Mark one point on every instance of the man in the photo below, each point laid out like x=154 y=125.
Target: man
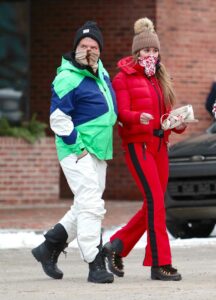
x=82 y=115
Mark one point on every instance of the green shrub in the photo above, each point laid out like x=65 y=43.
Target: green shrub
x=30 y=131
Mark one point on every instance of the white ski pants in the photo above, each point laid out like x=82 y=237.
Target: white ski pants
x=86 y=178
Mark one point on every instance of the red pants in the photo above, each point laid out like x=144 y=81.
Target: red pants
x=149 y=167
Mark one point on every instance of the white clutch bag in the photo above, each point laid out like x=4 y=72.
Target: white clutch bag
x=177 y=116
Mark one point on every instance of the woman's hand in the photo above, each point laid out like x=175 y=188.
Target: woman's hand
x=181 y=126
x=145 y=118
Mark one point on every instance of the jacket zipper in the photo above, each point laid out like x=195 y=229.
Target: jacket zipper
x=144 y=151
x=159 y=104
x=108 y=101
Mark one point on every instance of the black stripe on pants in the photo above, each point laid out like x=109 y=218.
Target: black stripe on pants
x=150 y=203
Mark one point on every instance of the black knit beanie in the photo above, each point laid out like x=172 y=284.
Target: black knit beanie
x=89 y=29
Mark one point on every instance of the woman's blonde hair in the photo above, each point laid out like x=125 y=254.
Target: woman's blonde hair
x=165 y=83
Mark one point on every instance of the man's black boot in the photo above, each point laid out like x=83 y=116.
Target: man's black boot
x=48 y=259
x=98 y=272
x=48 y=252
x=111 y=251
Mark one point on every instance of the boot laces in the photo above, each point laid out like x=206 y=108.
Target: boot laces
x=117 y=261
x=55 y=254
x=100 y=262
x=168 y=269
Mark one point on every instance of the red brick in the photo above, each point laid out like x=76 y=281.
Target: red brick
x=32 y=176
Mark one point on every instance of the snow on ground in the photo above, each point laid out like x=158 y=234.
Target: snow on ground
x=12 y=239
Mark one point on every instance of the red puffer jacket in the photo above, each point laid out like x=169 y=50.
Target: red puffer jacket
x=136 y=94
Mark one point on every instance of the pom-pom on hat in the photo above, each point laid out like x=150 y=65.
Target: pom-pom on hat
x=145 y=35
x=89 y=29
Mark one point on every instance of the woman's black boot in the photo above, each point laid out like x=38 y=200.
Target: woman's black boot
x=165 y=273
x=111 y=251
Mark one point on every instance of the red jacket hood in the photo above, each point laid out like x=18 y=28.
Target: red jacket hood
x=128 y=65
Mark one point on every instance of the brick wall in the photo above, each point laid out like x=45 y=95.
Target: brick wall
x=186 y=31
x=28 y=173
x=187 y=35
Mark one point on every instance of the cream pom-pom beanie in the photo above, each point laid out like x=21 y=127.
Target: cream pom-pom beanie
x=145 y=35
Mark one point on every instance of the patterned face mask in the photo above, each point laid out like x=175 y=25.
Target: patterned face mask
x=149 y=64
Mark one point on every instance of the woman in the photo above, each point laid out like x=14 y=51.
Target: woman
x=144 y=94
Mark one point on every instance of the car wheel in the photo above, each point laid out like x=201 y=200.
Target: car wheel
x=190 y=229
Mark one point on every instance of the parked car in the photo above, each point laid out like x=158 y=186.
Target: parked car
x=191 y=194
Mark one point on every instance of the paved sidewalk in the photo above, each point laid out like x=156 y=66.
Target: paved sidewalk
x=22 y=278
x=41 y=217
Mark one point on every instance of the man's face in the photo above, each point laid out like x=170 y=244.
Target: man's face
x=89 y=45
